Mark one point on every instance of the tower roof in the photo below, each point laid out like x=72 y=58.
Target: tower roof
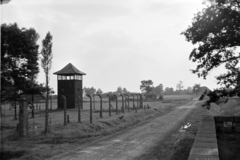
x=69 y=69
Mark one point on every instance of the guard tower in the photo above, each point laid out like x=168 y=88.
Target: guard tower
x=69 y=85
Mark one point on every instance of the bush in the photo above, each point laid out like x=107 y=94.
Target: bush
x=160 y=97
x=151 y=96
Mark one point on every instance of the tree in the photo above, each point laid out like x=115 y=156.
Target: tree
x=119 y=90
x=189 y=90
x=158 y=90
x=46 y=62
x=180 y=86
x=99 y=91
x=196 y=88
x=90 y=91
x=125 y=91
x=19 y=60
x=146 y=86
x=215 y=31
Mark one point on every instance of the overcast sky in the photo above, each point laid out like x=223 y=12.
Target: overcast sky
x=115 y=42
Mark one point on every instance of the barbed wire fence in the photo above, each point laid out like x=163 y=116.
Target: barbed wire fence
x=95 y=108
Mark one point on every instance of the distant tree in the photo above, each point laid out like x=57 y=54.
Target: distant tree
x=19 y=60
x=215 y=35
x=125 y=91
x=189 y=90
x=46 y=62
x=99 y=91
x=119 y=90
x=90 y=91
x=146 y=86
x=179 y=86
x=196 y=88
x=158 y=90
x=169 y=91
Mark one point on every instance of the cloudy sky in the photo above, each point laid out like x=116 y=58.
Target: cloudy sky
x=116 y=43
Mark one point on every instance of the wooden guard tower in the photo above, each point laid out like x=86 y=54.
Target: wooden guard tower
x=70 y=86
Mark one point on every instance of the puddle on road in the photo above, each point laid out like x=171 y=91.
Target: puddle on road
x=84 y=152
x=117 y=140
x=184 y=127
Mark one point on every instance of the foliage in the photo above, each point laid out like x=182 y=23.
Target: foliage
x=90 y=91
x=152 y=96
x=219 y=94
x=125 y=91
x=160 y=97
x=19 y=59
x=99 y=91
x=215 y=31
x=196 y=88
x=201 y=97
x=119 y=90
x=146 y=86
x=46 y=60
x=169 y=91
x=158 y=90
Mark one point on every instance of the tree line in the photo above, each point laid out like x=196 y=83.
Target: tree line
x=150 y=91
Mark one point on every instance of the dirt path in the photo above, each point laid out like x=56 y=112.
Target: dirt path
x=132 y=143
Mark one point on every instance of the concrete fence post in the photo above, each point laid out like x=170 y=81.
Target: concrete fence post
x=109 y=100
x=90 y=107
x=64 y=110
x=100 y=104
x=79 y=108
x=134 y=107
x=141 y=101
x=122 y=102
x=116 y=103
x=23 y=118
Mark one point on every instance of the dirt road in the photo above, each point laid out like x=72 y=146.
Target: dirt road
x=132 y=143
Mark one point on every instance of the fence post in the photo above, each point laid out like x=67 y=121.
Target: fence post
x=116 y=103
x=100 y=104
x=137 y=101
x=23 y=117
x=93 y=98
x=141 y=101
x=133 y=103
x=122 y=103
x=128 y=103
x=90 y=107
x=125 y=96
x=109 y=97
x=64 y=110
x=79 y=108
